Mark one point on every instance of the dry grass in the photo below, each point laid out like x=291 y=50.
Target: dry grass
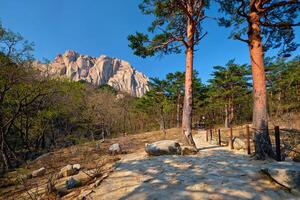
x=91 y=155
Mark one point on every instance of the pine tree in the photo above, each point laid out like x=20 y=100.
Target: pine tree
x=284 y=85
x=155 y=102
x=176 y=91
x=261 y=24
x=229 y=88
x=177 y=25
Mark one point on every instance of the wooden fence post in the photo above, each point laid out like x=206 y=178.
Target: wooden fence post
x=219 y=133
x=277 y=142
x=211 y=132
x=206 y=135
x=248 y=139
x=231 y=138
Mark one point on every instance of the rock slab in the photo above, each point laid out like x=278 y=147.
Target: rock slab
x=285 y=174
x=163 y=147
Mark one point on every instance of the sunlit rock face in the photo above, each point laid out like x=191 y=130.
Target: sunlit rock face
x=102 y=70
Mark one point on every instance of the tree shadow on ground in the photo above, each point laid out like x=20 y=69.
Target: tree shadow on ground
x=219 y=174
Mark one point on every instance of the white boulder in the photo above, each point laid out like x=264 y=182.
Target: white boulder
x=115 y=149
x=76 y=167
x=163 y=147
x=38 y=172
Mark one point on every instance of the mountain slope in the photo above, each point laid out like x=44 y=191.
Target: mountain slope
x=98 y=71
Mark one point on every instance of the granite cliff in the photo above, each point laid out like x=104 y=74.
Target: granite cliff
x=98 y=71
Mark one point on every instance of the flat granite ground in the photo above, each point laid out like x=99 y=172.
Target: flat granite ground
x=214 y=173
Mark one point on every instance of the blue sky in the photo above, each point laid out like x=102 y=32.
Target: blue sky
x=96 y=27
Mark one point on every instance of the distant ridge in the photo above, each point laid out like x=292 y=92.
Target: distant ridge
x=98 y=71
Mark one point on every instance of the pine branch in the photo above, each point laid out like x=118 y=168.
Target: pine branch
x=237 y=37
x=279 y=24
x=163 y=45
x=175 y=38
x=241 y=9
x=202 y=36
x=280 y=4
x=179 y=39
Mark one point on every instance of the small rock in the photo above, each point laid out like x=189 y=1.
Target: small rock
x=238 y=143
x=39 y=172
x=188 y=150
x=67 y=171
x=76 y=167
x=163 y=147
x=115 y=149
x=72 y=183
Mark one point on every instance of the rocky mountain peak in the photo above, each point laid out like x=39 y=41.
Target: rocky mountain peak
x=98 y=71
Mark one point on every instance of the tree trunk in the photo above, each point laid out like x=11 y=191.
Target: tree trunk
x=231 y=115
x=178 y=111
x=162 y=122
x=263 y=146
x=4 y=155
x=278 y=105
x=188 y=95
x=226 y=117
x=124 y=120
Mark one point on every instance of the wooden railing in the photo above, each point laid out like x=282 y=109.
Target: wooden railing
x=247 y=137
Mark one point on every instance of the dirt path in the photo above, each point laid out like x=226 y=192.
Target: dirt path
x=214 y=173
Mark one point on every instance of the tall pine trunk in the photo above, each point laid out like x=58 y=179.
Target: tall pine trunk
x=178 y=110
x=188 y=95
x=162 y=122
x=263 y=146
x=226 y=117
x=231 y=113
